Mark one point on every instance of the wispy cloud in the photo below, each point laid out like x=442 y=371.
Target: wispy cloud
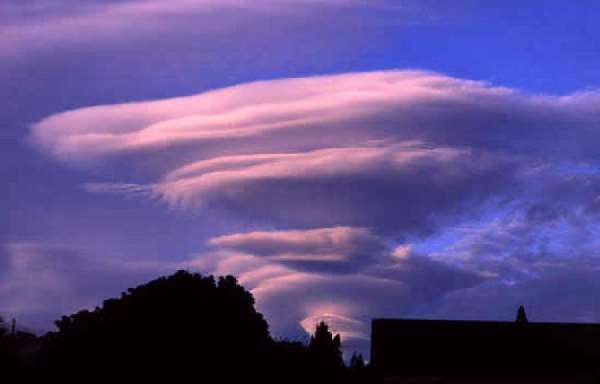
x=43 y=26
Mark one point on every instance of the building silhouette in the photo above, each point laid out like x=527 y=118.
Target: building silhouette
x=402 y=348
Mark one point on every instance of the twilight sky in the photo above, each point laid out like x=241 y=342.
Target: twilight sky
x=345 y=159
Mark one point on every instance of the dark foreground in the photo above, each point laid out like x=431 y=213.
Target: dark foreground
x=189 y=326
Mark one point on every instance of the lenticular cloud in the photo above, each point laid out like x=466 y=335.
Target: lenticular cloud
x=343 y=110
x=398 y=151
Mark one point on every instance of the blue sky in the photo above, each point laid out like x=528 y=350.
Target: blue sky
x=445 y=158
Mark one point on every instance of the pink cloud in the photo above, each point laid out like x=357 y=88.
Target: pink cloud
x=335 y=245
x=324 y=150
x=194 y=183
x=41 y=26
x=260 y=109
x=295 y=291
x=345 y=301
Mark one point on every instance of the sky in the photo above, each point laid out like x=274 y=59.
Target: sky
x=345 y=159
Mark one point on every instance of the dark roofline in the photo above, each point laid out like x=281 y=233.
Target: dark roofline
x=392 y=320
x=425 y=346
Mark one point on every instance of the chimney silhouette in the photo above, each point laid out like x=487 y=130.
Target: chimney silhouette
x=521 y=316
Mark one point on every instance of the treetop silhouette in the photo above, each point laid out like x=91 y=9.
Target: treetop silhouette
x=521 y=316
x=325 y=350
x=170 y=323
x=188 y=321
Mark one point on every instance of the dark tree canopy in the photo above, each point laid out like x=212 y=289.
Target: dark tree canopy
x=13 y=346
x=358 y=372
x=3 y=327
x=5 y=353
x=325 y=350
x=357 y=363
x=173 y=327
x=179 y=322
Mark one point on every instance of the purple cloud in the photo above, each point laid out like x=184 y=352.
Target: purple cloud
x=42 y=27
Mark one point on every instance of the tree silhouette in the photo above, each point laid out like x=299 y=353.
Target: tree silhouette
x=4 y=347
x=358 y=371
x=325 y=353
x=171 y=327
x=357 y=362
x=289 y=363
x=8 y=349
x=171 y=324
x=3 y=327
